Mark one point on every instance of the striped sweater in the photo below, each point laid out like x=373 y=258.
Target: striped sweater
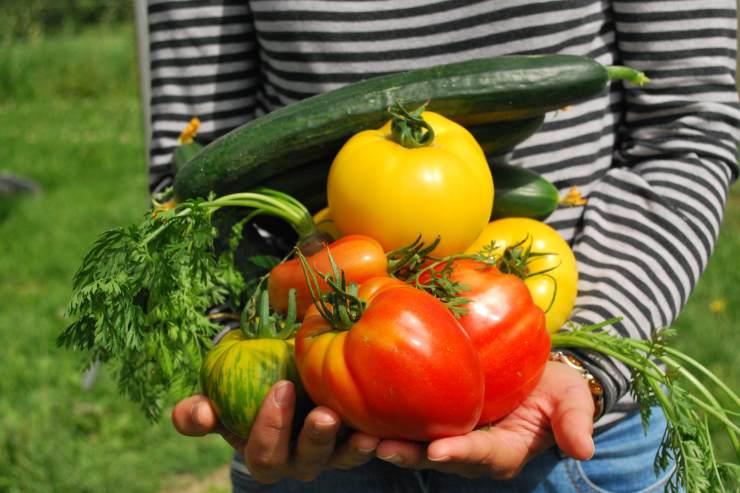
x=655 y=162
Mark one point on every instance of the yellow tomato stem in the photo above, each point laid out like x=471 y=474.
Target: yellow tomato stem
x=410 y=129
x=516 y=260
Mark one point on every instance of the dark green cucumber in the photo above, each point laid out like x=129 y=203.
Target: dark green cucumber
x=472 y=92
x=519 y=192
x=497 y=138
x=307 y=184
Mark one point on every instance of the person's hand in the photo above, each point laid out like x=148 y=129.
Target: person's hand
x=559 y=410
x=269 y=454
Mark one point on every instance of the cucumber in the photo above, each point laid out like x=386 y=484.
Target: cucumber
x=519 y=192
x=474 y=92
x=498 y=138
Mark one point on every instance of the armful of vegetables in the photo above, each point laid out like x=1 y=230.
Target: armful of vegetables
x=142 y=295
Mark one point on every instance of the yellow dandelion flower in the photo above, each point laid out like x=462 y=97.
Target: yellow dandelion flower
x=718 y=305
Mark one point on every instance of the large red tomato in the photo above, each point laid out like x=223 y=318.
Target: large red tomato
x=404 y=370
x=359 y=256
x=508 y=330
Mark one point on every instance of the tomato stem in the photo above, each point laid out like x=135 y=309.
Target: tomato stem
x=258 y=321
x=341 y=306
x=409 y=257
x=414 y=265
x=410 y=129
x=516 y=260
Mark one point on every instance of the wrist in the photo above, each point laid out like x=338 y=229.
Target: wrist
x=594 y=385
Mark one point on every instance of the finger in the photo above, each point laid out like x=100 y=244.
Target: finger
x=404 y=454
x=267 y=451
x=195 y=416
x=497 y=453
x=356 y=451
x=572 y=422
x=315 y=444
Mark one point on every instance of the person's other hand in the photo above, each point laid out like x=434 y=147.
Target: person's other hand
x=268 y=453
x=558 y=411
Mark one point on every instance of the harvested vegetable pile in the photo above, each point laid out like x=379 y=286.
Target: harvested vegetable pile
x=421 y=302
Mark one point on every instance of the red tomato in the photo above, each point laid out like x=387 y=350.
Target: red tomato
x=404 y=370
x=360 y=257
x=508 y=330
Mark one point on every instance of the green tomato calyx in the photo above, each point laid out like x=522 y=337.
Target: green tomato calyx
x=258 y=321
x=340 y=306
x=409 y=129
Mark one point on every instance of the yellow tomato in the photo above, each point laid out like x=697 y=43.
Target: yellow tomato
x=378 y=187
x=554 y=291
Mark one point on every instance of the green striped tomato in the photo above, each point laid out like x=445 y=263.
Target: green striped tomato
x=239 y=371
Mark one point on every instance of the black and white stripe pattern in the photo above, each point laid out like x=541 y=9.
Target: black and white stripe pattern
x=655 y=162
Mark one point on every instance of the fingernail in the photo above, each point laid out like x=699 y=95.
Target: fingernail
x=368 y=447
x=393 y=459
x=195 y=413
x=322 y=424
x=325 y=420
x=593 y=449
x=439 y=456
x=281 y=394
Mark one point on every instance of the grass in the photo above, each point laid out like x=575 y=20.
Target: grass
x=71 y=121
x=707 y=327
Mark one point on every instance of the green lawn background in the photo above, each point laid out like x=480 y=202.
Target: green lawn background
x=70 y=119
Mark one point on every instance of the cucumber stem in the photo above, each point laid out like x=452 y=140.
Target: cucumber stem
x=620 y=72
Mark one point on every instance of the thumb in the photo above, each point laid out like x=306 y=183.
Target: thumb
x=195 y=416
x=572 y=419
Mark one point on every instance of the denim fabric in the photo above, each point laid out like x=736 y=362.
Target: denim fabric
x=623 y=463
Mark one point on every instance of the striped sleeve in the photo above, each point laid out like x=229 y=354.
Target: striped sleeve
x=203 y=58
x=652 y=220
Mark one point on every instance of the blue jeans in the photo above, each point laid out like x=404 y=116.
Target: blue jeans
x=623 y=464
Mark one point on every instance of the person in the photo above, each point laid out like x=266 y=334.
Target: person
x=654 y=162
